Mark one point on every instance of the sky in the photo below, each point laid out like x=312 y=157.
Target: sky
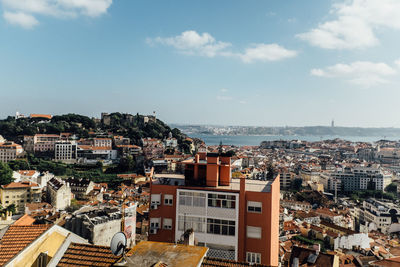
x=226 y=62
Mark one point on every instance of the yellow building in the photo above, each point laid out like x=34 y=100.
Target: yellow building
x=19 y=194
x=35 y=245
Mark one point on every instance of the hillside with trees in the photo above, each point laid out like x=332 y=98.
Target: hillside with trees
x=135 y=127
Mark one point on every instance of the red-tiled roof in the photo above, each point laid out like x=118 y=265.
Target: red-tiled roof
x=88 y=255
x=27 y=172
x=46 y=116
x=24 y=220
x=17 y=238
x=20 y=185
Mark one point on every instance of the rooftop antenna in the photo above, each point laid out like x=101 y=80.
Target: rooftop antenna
x=118 y=245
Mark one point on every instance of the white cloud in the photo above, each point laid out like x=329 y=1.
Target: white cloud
x=54 y=8
x=397 y=63
x=21 y=19
x=266 y=52
x=355 y=24
x=363 y=73
x=190 y=42
x=242 y=102
x=193 y=43
x=224 y=90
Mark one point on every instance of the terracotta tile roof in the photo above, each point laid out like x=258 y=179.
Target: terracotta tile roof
x=46 y=116
x=17 y=238
x=88 y=255
x=27 y=172
x=20 y=185
x=24 y=220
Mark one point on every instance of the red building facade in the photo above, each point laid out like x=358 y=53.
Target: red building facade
x=235 y=218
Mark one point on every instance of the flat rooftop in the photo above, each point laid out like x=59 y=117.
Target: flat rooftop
x=148 y=254
x=252 y=185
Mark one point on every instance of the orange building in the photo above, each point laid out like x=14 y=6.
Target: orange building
x=235 y=218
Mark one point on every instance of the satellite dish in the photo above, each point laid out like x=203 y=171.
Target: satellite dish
x=118 y=244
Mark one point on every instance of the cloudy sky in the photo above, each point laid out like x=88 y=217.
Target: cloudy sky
x=266 y=62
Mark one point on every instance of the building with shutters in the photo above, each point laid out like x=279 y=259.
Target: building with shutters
x=236 y=219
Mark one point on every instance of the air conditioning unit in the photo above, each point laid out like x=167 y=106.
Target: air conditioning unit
x=154 y=206
x=153 y=231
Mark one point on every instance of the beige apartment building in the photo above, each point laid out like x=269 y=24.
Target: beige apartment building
x=19 y=194
x=10 y=151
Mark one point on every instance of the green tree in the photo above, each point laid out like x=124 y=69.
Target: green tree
x=296 y=184
x=127 y=164
x=391 y=188
x=5 y=174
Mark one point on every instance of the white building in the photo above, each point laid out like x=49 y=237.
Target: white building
x=357 y=178
x=58 y=194
x=376 y=215
x=193 y=212
x=66 y=151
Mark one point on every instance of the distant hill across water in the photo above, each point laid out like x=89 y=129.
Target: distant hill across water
x=288 y=130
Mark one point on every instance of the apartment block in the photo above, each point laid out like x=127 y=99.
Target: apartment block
x=357 y=178
x=66 y=151
x=237 y=219
x=10 y=151
x=58 y=194
x=19 y=194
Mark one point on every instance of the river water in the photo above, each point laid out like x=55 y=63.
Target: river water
x=255 y=140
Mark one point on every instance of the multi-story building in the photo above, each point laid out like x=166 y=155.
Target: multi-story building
x=376 y=215
x=99 y=225
x=102 y=142
x=58 y=194
x=10 y=151
x=236 y=219
x=66 y=151
x=80 y=187
x=19 y=194
x=91 y=155
x=286 y=178
x=152 y=148
x=43 y=142
x=358 y=178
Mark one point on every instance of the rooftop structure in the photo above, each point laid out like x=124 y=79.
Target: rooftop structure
x=237 y=219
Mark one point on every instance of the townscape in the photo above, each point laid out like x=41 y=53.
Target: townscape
x=68 y=188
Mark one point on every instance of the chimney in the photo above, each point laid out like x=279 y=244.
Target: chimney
x=197 y=158
x=188 y=237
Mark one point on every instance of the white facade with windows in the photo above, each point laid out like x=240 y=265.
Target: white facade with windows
x=66 y=151
x=213 y=216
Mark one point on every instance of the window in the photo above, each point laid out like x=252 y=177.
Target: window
x=252 y=257
x=221 y=201
x=168 y=200
x=154 y=223
x=167 y=223
x=156 y=199
x=42 y=259
x=195 y=199
x=253 y=232
x=220 y=227
x=253 y=206
x=191 y=222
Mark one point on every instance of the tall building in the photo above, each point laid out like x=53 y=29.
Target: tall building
x=236 y=219
x=66 y=151
x=357 y=178
x=58 y=194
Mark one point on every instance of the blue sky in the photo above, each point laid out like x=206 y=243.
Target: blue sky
x=268 y=63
